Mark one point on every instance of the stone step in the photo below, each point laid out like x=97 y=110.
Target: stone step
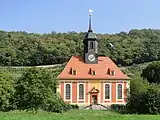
x=96 y=107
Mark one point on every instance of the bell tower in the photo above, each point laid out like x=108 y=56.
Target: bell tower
x=90 y=44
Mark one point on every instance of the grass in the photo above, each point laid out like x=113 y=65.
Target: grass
x=74 y=115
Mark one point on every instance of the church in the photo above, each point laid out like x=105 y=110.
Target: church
x=92 y=79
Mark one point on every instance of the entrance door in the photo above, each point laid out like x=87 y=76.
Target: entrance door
x=94 y=99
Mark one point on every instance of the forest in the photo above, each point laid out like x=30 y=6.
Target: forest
x=31 y=49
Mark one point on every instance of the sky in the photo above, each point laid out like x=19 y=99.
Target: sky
x=109 y=16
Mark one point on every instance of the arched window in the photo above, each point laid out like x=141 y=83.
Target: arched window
x=81 y=91
x=91 y=45
x=119 y=92
x=68 y=92
x=107 y=91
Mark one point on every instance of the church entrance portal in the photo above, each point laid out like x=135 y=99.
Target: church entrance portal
x=94 y=99
x=94 y=96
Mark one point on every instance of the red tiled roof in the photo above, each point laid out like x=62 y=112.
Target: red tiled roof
x=82 y=69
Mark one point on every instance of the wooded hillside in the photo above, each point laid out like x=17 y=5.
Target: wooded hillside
x=21 y=48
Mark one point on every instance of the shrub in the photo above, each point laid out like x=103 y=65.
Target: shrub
x=56 y=105
x=6 y=91
x=144 y=98
x=152 y=100
x=117 y=107
x=36 y=89
x=74 y=106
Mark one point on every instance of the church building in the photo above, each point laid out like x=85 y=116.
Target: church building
x=92 y=79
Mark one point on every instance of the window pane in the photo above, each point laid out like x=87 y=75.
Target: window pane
x=107 y=91
x=119 y=91
x=81 y=91
x=68 y=91
x=94 y=73
x=74 y=72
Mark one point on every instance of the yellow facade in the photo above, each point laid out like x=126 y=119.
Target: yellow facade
x=94 y=83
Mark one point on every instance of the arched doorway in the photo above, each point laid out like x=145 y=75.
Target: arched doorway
x=94 y=96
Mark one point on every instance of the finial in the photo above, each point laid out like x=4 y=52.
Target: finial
x=90 y=20
x=90 y=12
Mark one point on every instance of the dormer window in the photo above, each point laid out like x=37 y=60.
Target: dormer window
x=92 y=72
x=111 y=72
x=73 y=71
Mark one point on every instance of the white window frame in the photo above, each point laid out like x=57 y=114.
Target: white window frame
x=78 y=91
x=65 y=92
x=110 y=87
x=122 y=91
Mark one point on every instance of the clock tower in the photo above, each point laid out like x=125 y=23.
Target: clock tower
x=90 y=45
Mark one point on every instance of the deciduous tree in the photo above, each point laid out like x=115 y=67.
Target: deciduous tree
x=152 y=72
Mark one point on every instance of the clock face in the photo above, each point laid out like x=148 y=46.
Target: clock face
x=91 y=57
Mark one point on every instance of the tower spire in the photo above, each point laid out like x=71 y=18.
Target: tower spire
x=90 y=20
x=90 y=44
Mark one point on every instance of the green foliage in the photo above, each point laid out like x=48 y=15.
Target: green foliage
x=74 y=106
x=6 y=91
x=152 y=72
x=21 y=48
x=118 y=108
x=152 y=100
x=144 y=98
x=36 y=89
x=56 y=104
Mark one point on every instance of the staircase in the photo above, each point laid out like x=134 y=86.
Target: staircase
x=96 y=107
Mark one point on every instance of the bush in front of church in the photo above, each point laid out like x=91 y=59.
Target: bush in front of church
x=118 y=108
x=36 y=90
x=6 y=91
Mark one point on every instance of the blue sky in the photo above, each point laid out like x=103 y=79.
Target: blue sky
x=110 y=16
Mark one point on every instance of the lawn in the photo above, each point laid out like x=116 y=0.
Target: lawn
x=74 y=115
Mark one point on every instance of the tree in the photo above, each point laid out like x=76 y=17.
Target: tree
x=137 y=87
x=144 y=98
x=36 y=89
x=6 y=91
x=152 y=99
x=152 y=72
